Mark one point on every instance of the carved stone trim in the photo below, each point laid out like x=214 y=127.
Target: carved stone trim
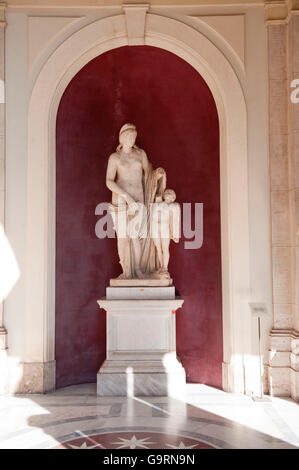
x=2 y=15
x=284 y=363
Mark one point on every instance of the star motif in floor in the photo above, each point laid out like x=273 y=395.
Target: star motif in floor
x=83 y=446
x=181 y=446
x=133 y=439
x=133 y=443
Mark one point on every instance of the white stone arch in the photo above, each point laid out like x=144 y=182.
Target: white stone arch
x=189 y=44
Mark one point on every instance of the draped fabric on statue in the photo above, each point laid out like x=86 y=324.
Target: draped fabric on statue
x=154 y=186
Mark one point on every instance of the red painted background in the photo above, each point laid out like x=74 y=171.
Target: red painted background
x=177 y=124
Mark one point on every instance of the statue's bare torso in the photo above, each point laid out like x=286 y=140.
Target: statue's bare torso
x=125 y=170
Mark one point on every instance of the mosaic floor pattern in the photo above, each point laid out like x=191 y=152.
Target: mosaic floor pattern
x=134 y=440
x=75 y=417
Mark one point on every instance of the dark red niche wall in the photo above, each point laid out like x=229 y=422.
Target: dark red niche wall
x=177 y=124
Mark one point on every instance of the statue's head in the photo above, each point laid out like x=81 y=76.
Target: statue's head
x=169 y=196
x=127 y=135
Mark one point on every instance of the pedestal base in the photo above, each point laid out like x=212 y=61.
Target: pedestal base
x=141 y=378
x=141 y=343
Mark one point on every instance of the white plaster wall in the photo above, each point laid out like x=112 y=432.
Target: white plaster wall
x=252 y=76
x=20 y=83
x=16 y=171
x=258 y=175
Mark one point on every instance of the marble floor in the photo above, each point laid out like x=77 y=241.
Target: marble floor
x=74 y=417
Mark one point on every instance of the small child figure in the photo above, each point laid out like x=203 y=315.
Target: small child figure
x=166 y=227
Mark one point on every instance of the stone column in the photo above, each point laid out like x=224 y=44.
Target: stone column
x=3 y=332
x=282 y=372
x=294 y=144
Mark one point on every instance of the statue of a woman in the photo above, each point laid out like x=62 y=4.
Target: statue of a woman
x=134 y=186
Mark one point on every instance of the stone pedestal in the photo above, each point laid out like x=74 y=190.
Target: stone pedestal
x=141 y=343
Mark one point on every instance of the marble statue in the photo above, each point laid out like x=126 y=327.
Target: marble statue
x=137 y=188
x=165 y=227
x=140 y=303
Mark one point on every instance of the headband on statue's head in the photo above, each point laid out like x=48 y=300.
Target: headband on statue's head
x=127 y=127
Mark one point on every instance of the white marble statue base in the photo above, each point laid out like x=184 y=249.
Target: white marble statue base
x=140 y=378
x=141 y=343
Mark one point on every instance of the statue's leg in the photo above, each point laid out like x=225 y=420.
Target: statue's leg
x=123 y=242
x=157 y=243
x=123 y=247
x=165 y=250
x=137 y=256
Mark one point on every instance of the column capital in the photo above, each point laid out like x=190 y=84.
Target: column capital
x=280 y=11
x=294 y=5
x=276 y=11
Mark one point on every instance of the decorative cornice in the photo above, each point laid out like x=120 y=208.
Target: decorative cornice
x=295 y=5
x=280 y=11
x=285 y=333
x=276 y=11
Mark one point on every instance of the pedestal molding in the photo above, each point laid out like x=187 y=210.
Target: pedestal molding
x=128 y=306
